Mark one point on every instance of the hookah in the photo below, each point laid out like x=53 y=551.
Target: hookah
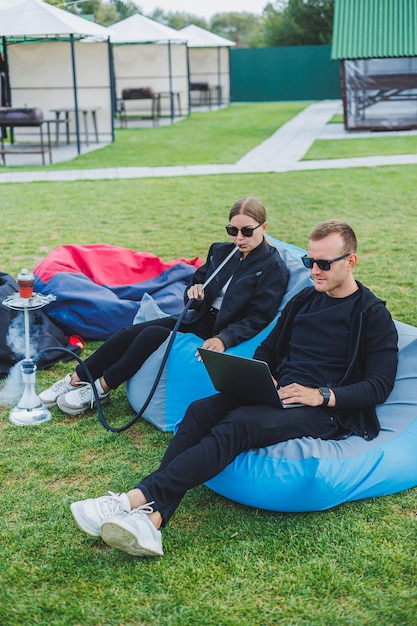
x=29 y=411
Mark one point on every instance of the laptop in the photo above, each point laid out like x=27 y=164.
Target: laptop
x=242 y=377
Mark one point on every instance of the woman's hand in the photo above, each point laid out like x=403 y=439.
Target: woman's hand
x=213 y=343
x=196 y=292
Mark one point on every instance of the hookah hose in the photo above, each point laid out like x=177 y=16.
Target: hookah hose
x=143 y=408
x=90 y=379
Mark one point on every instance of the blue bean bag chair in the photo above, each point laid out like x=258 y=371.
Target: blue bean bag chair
x=301 y=474
x=312 y=475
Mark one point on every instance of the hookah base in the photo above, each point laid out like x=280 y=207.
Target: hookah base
x=29 y=417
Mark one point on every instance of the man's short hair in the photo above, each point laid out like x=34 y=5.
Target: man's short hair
x=329 y=227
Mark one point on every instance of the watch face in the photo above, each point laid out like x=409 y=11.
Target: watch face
x=325 y=392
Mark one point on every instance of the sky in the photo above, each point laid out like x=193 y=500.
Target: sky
x=203 y=8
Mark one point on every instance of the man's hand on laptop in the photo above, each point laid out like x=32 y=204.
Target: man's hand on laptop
x=212 y=343
x=295 y=393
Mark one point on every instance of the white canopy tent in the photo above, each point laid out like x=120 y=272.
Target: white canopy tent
x=149 y=54
x=49 y=67
x=209 y=60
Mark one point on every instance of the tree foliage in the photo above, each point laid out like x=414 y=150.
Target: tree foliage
x=177 y=19
x=104 y=12
x=124 y=8
x=298 y=22
x=245 y=29
x=283 y=23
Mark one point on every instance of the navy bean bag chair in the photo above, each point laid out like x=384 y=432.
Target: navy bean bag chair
x=99 y=288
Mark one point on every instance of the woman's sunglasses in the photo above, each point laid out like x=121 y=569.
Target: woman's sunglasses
x=247 y=231
x=321 y=263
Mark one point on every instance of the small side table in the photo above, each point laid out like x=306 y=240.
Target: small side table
x=66 y=120
x=172 y=95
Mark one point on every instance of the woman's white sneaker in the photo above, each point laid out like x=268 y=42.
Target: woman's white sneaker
x=50 y=396
x=82 y=398
x=133 y=533
x=89 y=514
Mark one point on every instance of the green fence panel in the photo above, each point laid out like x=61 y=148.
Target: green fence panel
x=283 y=73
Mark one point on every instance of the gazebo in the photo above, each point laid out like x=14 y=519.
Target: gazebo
x=209 y=63
x=149 y=55
x=48 y=66
x=375 y=42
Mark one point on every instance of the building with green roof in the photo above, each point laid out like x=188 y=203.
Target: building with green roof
x=375 y=42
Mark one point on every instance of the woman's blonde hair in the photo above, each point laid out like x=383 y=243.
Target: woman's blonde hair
x=250 y=206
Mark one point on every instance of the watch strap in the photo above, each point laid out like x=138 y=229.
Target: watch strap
x=325 y=392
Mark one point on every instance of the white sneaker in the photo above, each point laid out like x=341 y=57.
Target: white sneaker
x=50 y=395
x=133 y=533
x=89 y=514
x=79 y=400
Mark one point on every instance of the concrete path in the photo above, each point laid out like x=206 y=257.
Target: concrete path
x=282 y=152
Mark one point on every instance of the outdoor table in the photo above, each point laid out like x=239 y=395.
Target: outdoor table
x=138 y=94
x=172 y=95
x=206 y=90
x=66 y=119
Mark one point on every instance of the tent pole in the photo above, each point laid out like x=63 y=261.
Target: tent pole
x=219 y=77
x=229 y=99
x=7 y=98
x=74 y=79
x=189 y=80
x=171 y=90
x=112 y=87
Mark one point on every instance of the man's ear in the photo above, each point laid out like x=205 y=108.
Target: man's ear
x=352 y=261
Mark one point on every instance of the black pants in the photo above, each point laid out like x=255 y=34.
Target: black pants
x=214 y=432
x=124 y=353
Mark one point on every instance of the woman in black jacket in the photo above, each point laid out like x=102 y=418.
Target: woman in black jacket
x=240 y=301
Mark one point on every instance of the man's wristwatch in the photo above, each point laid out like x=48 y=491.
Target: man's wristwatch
x=325 y=392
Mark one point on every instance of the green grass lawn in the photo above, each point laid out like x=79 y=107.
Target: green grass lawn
x=336 y=119
x=224 y=563
x=361 y=147
x=221 y=136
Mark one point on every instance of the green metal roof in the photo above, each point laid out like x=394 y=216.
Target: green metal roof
x=369 y=29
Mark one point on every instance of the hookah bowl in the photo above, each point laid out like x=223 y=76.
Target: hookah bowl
x=29 y=411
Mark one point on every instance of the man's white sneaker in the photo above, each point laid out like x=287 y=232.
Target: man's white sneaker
x=79 y=400
x=89 y=514
x=50 y=395
x=134 y=533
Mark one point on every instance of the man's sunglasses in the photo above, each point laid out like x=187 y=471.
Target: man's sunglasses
x=321 y=263
x=247 y=231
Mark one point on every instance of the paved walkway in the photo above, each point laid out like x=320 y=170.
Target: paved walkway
x=282 y=152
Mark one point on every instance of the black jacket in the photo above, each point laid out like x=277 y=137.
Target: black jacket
x=253 y=296
x=372 y=358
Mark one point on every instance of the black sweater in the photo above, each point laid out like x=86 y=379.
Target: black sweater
x=253 y=296
x=371 y=365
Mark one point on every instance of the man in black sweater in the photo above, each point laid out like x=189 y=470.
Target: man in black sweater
x=333 y=350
